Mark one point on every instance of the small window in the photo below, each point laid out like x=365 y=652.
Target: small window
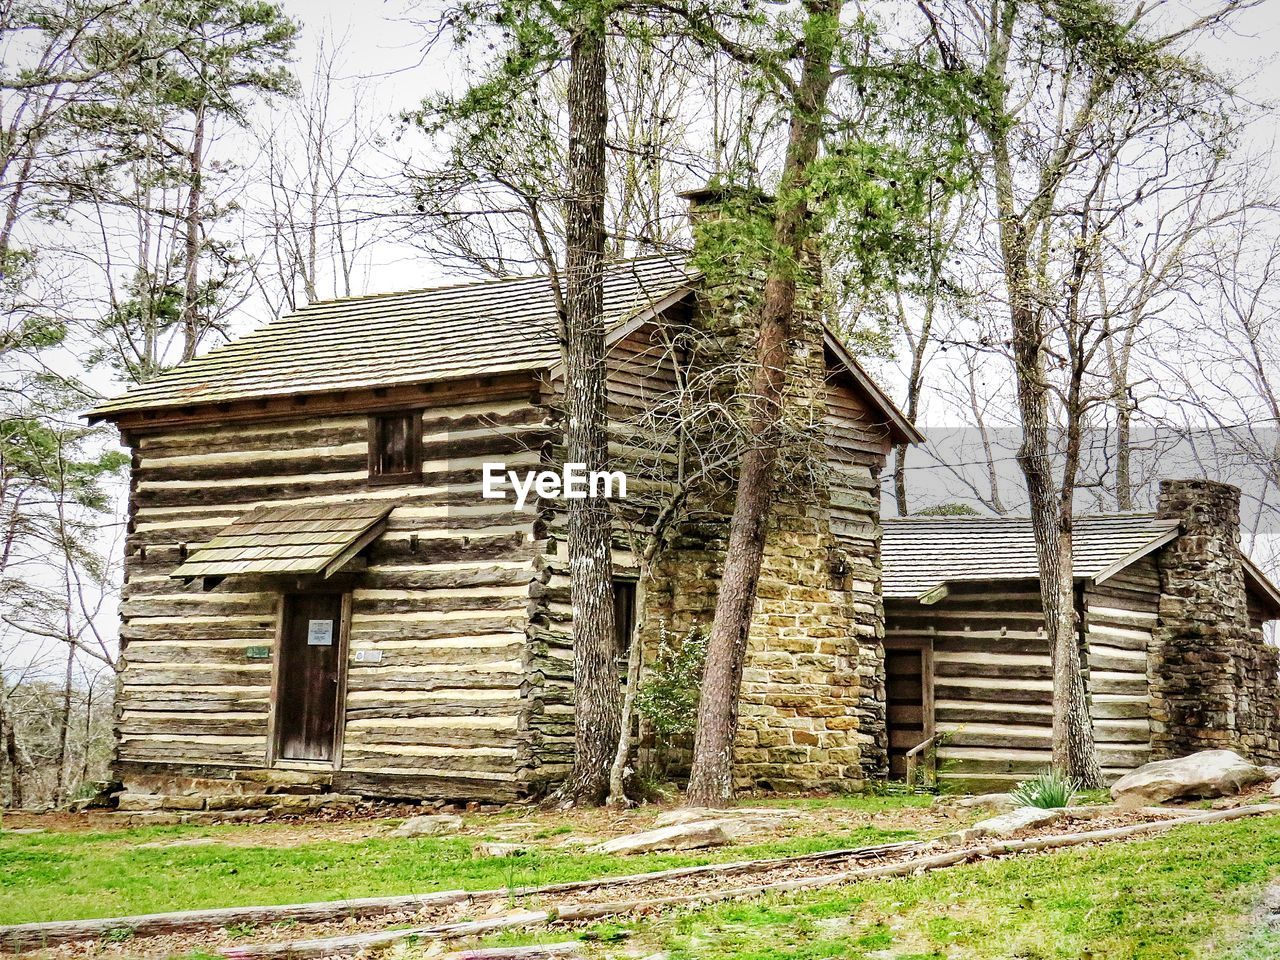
x=624 y=614
x=395 y=440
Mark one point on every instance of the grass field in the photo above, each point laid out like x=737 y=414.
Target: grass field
x=77 y=875
x=1182 y=896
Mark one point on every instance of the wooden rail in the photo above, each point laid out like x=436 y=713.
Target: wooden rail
x=913 y=759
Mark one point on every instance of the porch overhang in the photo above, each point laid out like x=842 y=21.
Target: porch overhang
x=288 y=541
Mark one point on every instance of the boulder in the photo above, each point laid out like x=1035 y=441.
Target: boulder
x=1275 y=789
x=680 y=836
x=1210 y=773
x=1023 y=818
x=429 y=825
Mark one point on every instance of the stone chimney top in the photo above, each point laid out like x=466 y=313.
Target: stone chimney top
x=705 y=199
x=1205 y=507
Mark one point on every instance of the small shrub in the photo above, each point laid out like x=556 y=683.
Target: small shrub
x=1046 y=790
x=668 y=698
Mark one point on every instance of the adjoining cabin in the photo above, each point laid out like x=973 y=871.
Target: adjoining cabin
x=317 y=593
x=1171 y=618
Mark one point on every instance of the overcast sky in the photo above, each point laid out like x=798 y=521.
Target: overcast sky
x=382 y=45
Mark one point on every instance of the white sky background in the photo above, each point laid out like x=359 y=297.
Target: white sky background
x=382 y=49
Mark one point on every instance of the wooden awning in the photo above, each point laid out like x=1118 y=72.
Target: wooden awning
x=288 y=541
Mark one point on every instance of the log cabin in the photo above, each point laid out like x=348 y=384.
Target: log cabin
x=1170 y=613
x=318 y=596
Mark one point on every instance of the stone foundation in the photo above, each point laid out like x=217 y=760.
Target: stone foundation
x=1213 y=681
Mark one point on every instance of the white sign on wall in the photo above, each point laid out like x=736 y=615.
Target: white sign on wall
x=320 y=633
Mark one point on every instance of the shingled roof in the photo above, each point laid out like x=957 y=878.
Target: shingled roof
x=288 y=540
x=919 y=553
x=439 y=333
x=434 y=334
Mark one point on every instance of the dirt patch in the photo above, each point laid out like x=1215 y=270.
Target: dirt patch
x=527 y=824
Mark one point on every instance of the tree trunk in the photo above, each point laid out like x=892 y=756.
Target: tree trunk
x=1051 y=518
x=191 y=252
x=635 y=662
x=711 y=777
x=596 y=690
x=12 y=754
x=900 y=478
x=1124 y=448
x=64 y=732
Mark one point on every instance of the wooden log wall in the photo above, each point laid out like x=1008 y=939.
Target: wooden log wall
x=993 y=694
x=444 y=599
x=641 y=374
x=993 y=687
x=858 y=446
x=1119 y=615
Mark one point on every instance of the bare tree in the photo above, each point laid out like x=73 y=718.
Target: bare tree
x=318 y=213
x=1071 y=98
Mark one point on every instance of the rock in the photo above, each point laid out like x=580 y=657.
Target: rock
x=1275 y=789
x=1272 y=772
x=1210 y=773
x=135 y=802
x=335 y=800
x=1022 y=818
x=993 y=801
x=1091 y=812
x=429 y=825
x=680 y=836
x=150 y=818
x=492 y=849
x=181 y=803
x=22 y=831
x=224 y=816
x=253 y=801
x=761 y=815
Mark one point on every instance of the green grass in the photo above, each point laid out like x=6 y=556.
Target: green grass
x=70 y=876
x=1183 y=896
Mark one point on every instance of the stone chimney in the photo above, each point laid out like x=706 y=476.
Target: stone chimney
x=1212 y=679
x=798 y=726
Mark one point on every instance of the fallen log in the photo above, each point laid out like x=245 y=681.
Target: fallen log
x=296 y=950
x=24 y=936
x=354 y=943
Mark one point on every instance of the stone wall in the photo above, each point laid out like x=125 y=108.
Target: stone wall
x=1213 y=680
x=798 y=725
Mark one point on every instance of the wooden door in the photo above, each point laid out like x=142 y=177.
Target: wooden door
x=909 y=704
x=306 y=719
